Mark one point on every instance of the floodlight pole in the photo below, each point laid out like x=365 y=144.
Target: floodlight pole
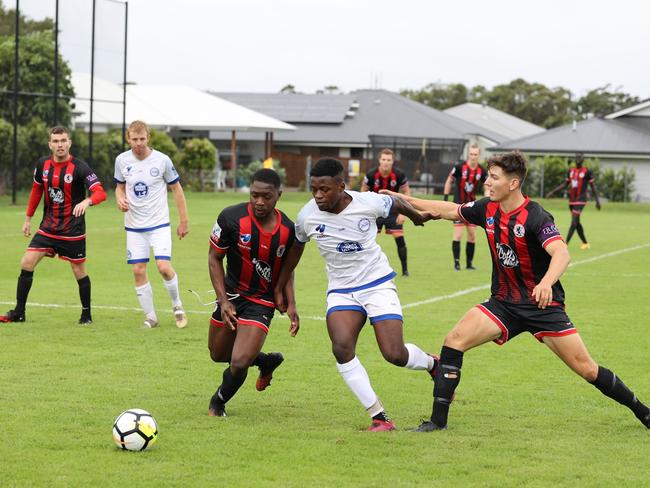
x=233 y=158
x=92 y=86
x=14 y=169
x=126 y=25
x=56 y=64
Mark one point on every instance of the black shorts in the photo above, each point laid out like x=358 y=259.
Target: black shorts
x=73 y=251
x=576 y=208
x=392 y=227
x=248 y=313
x=514 y=319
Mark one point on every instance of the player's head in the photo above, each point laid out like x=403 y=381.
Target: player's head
x=137 y=136
x=386 y=160
x=580 y=158
x=327 y=183
x=264 y=192
x=506 y=174
x=473 y=154
x=60 y=142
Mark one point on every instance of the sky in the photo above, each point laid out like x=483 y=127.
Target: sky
x=263 y=45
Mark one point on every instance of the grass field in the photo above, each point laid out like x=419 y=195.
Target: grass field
x=521 y=418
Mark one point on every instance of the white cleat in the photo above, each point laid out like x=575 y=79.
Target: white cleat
x=150 y=324
x=180 y=316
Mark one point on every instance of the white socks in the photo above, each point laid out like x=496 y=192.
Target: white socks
x=145 y=297
x=418 y=359
x=356 y=377
x=172 y=289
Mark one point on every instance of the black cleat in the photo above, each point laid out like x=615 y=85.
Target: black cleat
x=428 y=426
x=470 y=267
x=646 y=421
x=405 y=273
x=273 y=360
x=85 y=319
x=13 y=316
x=217 y=408
x=457 y=266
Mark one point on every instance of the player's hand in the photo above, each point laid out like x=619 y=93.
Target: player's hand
x=27 y=228
x=80 y=208
x=400 y=219
x=543 y=295
x=598 y=205
x=123 y=204
x=426 y=216
x=182 y=230
x=292 y=313
x=278 y=298
x=228 y=314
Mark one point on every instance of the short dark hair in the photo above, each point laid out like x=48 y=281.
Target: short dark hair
x=267 y=175
x=327 y=167
x=59 y=129
x=512 y=163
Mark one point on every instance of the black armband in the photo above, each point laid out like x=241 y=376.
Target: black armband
x=446 y=197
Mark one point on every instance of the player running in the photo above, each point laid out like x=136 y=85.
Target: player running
x=63 y=180
x=255 y=238
x=528 y=259
x=360 y=280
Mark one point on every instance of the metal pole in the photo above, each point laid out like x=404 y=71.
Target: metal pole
x=126 y=25
x=233 y=159
x=92 y=86
x=56 y=64
x=541 y=183
x=14 y=169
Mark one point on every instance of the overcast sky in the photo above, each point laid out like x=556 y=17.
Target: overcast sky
x=263 y=45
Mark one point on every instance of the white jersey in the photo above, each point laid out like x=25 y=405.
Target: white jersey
x=146 y=189
x=348 y=241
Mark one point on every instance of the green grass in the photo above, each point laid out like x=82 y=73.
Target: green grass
x=521 y=417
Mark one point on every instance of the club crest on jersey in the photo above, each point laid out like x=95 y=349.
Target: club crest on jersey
x=507 y=256
x=393 y=183
x=519 y=230
x=56 y=195
x=364 y=225
x=347 y=247
x=45 y=173
x=140 y=189
x=245 y=238
x=67 y=178
x=280 y=250
x=262 y=269
x=489 y=221
x=154 y=172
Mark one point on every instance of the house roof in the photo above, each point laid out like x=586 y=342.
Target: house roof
x=166 y=106
x=368 y=113
x=628 y=135
x=506 y=125
x=641 y=109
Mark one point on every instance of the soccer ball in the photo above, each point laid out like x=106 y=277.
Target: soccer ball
x=135 y=430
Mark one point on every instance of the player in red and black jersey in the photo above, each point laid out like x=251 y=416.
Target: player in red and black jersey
x=63 y=180
x=254 y=237
x=528 y=258
x=467 y=179
x=387 y=177
x=578 y=179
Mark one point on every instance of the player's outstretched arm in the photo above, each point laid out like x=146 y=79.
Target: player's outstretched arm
x=292 y=309
x=179 y=197
x=556 y=189
x=290 y=262
x=218 y=279
x=560 y=259
x=436 y=209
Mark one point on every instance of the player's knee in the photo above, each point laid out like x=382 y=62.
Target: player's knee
x=239 y=363
x=455 y=340
x=343 y=352
x=27 y=263
x=396 y=355
x=587 y=368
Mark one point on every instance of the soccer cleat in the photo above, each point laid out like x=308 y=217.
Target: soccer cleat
x=273 y=359
x=217 y=408
x=405 y=273
x=457 y=266
x=436 y=361
x=150 y=323
x=585 y=246
x=13 y=316
x=381 y=426
x=646 y=421
x=470 y=267
x=180 y=316
x=85 y=319
x=428 y=426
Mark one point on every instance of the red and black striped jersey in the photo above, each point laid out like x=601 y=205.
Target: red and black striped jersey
x=395 y=180
x=517 y=240
x=254 y=257
x=578 y=180
x=467 y=181
x=64 y=186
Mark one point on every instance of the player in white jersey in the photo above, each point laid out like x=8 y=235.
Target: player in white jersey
x=142 y=176
x=360 y=286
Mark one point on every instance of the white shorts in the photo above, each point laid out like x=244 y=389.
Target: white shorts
x=138 y=245
x=377 y=303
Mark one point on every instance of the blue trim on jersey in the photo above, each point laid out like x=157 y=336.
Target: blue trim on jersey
x=387 y=316
x=119 y=181
x=163 y=258
x=174 y=181
x=133 y=261
x=147 y=229
x=341 y=308
x=378 y=281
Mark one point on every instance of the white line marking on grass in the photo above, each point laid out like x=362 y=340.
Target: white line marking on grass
x=320 y=318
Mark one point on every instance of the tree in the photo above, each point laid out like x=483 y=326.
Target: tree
x=197 y=157
x=438 y=95
x=288 y=89
x=26 y=26
x=600 y=102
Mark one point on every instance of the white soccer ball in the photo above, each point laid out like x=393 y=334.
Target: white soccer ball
x=135 y=430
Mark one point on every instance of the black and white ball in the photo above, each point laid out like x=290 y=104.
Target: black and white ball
x=135 y=430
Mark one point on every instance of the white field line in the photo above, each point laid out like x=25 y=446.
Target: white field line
x=320 y=318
